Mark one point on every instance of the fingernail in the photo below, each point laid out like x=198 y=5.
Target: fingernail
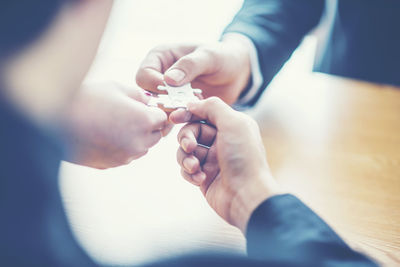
x=176 y=75
x=148 y=93
x=185 y=144
x=199 y=177
x=188 y=163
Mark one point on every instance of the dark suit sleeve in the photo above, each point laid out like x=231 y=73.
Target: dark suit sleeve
x=283 y=229
x=276 y=28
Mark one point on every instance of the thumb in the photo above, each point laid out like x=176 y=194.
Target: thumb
x=189 y=67
x=213 y=110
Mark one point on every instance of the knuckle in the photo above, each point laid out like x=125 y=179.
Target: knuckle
x=188 y=62
x=154 y=117
x=138 y=151
x=128 y=160
x=147 y=122
x=142 y=77
x=207 y=51
x=183 y=174
x=155 y=140
x=214 y=101
x=252 y=122
x=139 y=154
x=249 y=121
x=241 y=119
x=123 y=158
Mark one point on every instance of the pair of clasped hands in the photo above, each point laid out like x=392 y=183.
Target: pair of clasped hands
x=110 y=125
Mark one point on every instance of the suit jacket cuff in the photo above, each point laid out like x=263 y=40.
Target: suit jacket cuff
x=256 y=81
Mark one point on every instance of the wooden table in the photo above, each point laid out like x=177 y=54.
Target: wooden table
x=336 y=144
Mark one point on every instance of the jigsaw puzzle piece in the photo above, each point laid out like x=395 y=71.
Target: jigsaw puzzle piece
x=176 y=97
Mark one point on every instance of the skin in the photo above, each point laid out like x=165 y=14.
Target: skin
x=109 y=125
x=233 y=173
x=221 y=69
x=51 y=94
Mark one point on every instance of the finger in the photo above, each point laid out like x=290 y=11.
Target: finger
x=205 y=157
x=206 y=135
x=194 y=134
x=182 y=116
x=149 y=79
x=213 y=110
x=201 y=154
x=136 y=156
x=152 y=139
x=189 y=67
x=212 y=155
x=157 y=117
x=211 y=168
x=150 y=73
x=187 y=137
x=195 y=179
x=188 y=161
x=167 y=129
x=208 y=182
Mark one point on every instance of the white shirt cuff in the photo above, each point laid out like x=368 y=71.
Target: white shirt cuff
x=257 y=78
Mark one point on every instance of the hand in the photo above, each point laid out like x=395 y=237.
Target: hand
x=221 y=69
x=233 y=173
x=110 y=125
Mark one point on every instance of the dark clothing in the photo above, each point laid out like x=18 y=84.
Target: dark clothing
x=282 y=231
x=363 y=41
x=34 y=230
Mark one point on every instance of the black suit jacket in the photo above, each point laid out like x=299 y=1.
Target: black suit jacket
x=34 y=230
x=363 y=41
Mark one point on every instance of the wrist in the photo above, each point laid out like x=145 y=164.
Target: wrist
x=241 y=55
x=255 y=81
x=249 y=197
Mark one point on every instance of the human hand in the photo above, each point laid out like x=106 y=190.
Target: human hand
x=109 y=125
x=233 y=173
x=221 y=69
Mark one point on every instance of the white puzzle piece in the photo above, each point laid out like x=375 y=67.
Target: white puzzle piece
x=177 y=97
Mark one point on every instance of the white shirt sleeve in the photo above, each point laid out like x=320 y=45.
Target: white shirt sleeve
x=257 y=78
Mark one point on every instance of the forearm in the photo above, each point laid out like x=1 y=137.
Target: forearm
x=276 y=27
x=283 y=228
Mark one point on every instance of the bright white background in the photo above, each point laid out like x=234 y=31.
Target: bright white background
x=144 y=211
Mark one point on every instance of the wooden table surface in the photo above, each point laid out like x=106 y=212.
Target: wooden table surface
x=336 y=144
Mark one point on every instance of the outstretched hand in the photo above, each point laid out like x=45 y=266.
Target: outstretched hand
x=221 y=69
x=225 y=157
